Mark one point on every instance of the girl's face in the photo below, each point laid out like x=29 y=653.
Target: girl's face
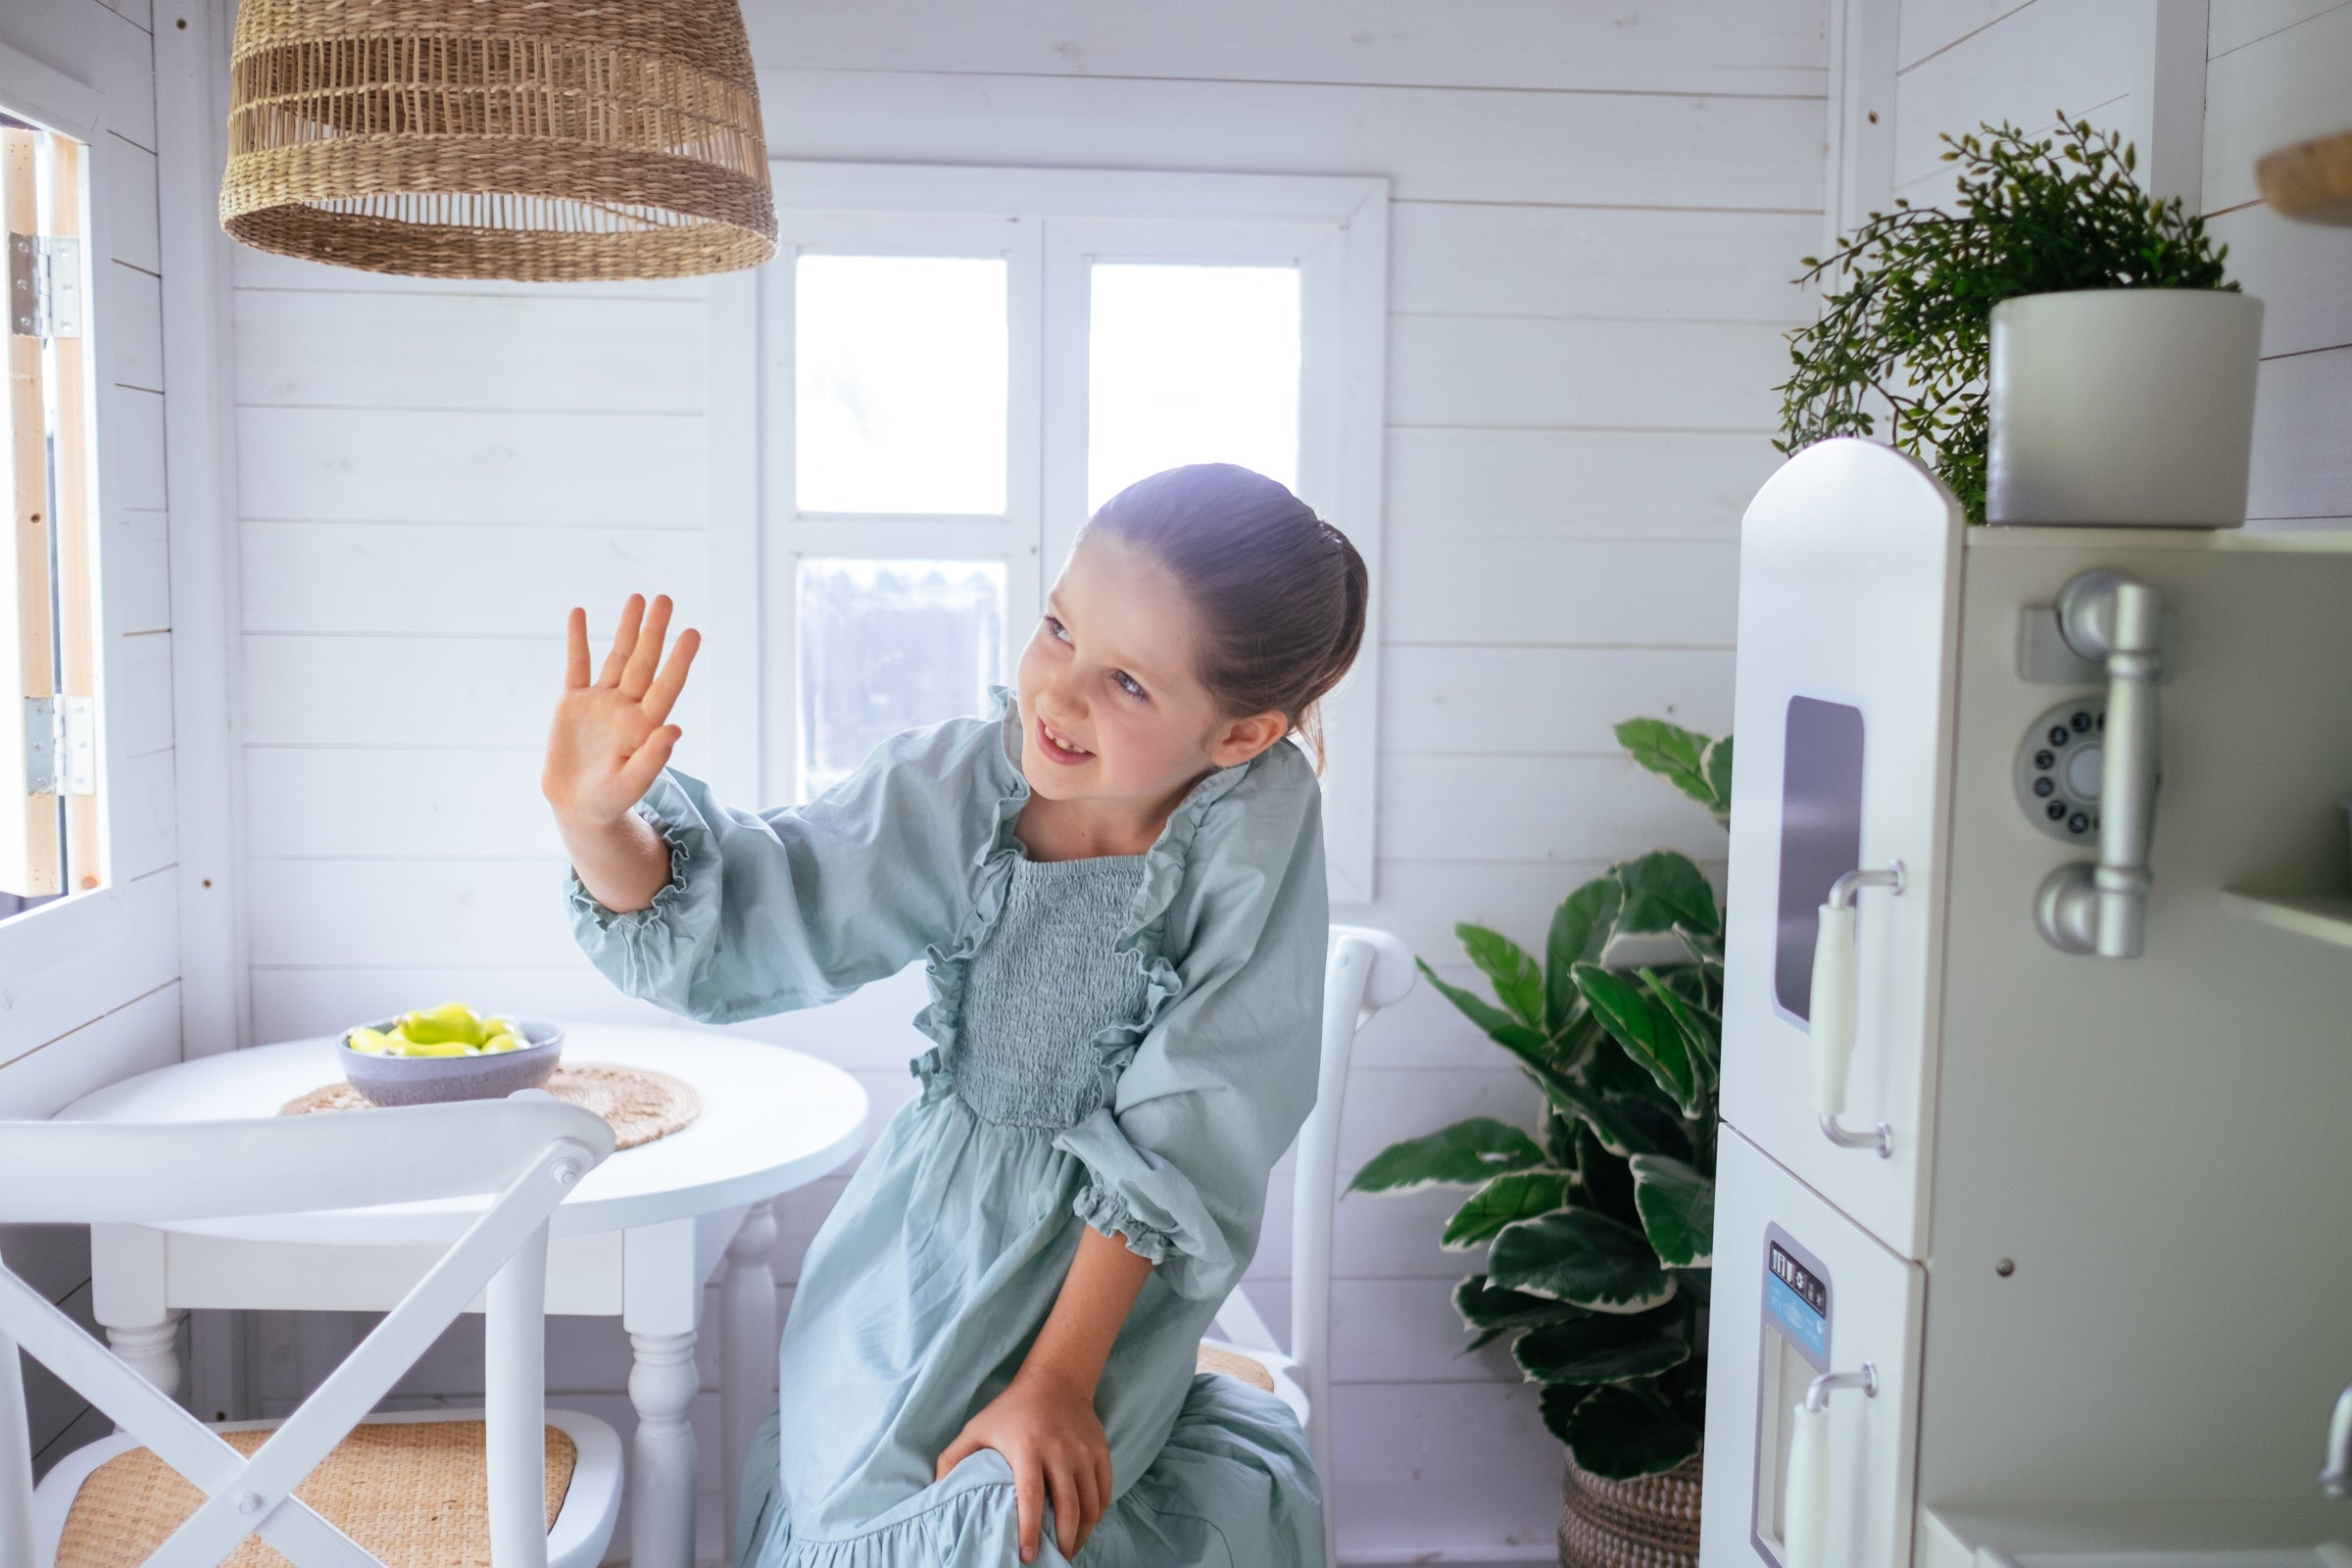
x=1112 y=710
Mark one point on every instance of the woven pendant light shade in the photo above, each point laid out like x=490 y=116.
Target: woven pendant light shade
x=541 y=140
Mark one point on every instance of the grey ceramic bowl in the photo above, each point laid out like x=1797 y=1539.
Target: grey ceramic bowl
x=430 y=1080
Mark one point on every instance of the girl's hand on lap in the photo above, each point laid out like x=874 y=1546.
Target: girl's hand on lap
x=1046 y=1429
x=609 y=740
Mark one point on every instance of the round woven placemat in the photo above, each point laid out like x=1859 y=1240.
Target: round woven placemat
x=414 y=1494
x=639 y=1103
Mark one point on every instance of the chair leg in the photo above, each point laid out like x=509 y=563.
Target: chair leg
x=152 y=1350
x=515 y=1389
x=747 y=1349
x=15 y=1464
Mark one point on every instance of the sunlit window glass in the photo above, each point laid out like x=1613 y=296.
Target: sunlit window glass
x=1191 y=363
x=899 y=376
x=887 y=645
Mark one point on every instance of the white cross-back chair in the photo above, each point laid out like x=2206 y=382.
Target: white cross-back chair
x=529 y=1150
x=1365 y=969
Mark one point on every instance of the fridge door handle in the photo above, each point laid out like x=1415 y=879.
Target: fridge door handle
x=1805 y=1501
x=2102 y=908
x=1832 y=1003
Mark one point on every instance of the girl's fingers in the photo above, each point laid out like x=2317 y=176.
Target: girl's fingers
x=624 y=637
x=1090 y=1506
x=664 y=689
x=1029 y=1500
x=1069 y=1512
x=638 y=673
x=645 y=764
x=575 y=648
x=953 y=1458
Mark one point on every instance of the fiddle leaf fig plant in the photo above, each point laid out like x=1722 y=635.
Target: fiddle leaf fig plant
x=1913 y=327
x=1600 y=1221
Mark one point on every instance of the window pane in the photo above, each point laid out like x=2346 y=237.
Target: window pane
x=1191 y=364
x=899 y=383
x=887 y=645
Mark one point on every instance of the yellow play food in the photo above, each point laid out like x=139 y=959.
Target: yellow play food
x=453 y=1029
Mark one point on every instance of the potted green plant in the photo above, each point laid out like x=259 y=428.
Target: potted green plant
x=1600 y=1221
x=2057 y=344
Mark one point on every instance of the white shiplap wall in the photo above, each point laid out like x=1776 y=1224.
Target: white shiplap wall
x=90 y=986
x=1596 y=212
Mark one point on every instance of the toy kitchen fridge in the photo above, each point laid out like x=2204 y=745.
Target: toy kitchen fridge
x=2033 y=1228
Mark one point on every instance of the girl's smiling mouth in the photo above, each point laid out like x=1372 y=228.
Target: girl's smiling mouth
x=1067 y=755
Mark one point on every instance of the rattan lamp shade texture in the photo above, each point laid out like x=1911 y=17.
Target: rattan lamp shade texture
x=540 y=140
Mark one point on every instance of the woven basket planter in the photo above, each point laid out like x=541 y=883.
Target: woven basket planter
x=540 y=140
x=1649 y=1523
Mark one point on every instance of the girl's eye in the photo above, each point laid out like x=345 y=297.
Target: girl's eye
x=1057 y=628
x=1127 y=683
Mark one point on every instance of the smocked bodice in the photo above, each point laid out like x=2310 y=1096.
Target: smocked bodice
x=1043 y=985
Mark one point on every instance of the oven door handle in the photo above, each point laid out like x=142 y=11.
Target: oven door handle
x=1805 y=1503
x=1833 y=1005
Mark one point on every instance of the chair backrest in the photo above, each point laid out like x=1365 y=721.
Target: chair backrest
x=528 y=1150
x=1365 y=970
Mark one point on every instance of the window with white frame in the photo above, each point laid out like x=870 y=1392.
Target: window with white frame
x=959 y=365
x=51 y=823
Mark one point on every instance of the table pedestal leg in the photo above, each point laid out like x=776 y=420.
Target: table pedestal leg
x=662 y=1385
x=151 y=1349
x=747 y=1349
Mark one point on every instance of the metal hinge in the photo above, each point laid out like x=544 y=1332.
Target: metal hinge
x=61 y=746
x=44 y=286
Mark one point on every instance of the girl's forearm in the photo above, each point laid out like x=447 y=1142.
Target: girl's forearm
x=1103 y=1284
x=622 y=863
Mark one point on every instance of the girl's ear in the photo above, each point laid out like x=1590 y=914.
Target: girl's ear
x=1237 y=740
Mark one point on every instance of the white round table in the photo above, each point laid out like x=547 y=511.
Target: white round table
x=637 y=1239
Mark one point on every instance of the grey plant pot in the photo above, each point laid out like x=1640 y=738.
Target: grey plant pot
x=433 y=1080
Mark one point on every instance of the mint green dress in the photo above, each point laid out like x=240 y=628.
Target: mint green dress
x=1127 y=1043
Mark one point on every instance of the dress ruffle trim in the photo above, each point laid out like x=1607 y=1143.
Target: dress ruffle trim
x=645 y=932
x=1142 y=932
x=969 y=1525
x=1106 y=1211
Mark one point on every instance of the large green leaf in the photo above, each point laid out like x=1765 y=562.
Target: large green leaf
x=1495 y=1312
x=1573 y=1101
x=1468 y=1154
x=1582 y=1258
x=1602 y=1349
x=1646 y=1031
x=1716 y=763
x=1555 y=1403
x=1678 y=1210
x=1622 y=1431
x=1509 y=967
x=1701 y=1031
x=1501 y=1027
x=1678 y=756
x=1521 y=1195
x=1579 y=927
x=1651 y=1124
x=1607 y=1180
x=1664 y=889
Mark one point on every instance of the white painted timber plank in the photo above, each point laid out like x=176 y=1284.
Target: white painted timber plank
x=2298 y=272
x=137 y=572
x=1436 y=701
x=1502 y=373
x=2302 y=461
x=421 y=691
x=2287 y=87
x=131 y=448
x=141 y=813
x=1513 y=809
x=351 y=465
x=138 y=692
x=455 y=579
x=128 y=314
x=2074 y=54
x=1925 y=27
x=1660 y=150
x=128 y=192
x=1548 y=483
x=1493 y=259
x=1474 y=589
x=137 y=1029
x=1688 y=46
x=1457 y=1468
x=468 y=351
x=2235 y=24
x=88 y=44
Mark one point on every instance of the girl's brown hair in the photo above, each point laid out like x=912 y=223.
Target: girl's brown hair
x=1280 y=592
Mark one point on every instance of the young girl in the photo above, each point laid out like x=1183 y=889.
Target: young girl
x=1115 y=881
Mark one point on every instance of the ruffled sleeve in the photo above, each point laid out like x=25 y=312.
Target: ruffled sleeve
x=1217 y=1086
x=765 y=911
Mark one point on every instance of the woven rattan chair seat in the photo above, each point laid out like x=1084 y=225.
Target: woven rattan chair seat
x=414 y=1494
x=1233 y=1365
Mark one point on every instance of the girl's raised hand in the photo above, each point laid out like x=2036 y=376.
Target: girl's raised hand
x=609 y=740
